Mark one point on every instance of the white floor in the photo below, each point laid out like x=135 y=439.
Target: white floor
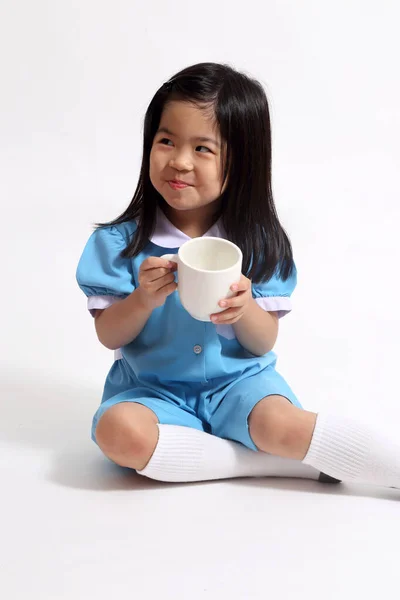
x=75 y=526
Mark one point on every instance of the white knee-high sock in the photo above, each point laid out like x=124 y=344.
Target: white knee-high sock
x=353 y=452
x=186 y=454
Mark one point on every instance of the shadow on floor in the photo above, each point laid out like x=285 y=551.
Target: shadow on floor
x=98 y=473
x=55 y=415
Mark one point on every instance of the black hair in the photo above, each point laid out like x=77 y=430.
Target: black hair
x=247 y=206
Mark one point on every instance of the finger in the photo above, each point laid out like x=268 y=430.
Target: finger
x=234 y=302
x=156 y=274
x=230 y=322
x=152 y=287
x=159 y=283
x=154 y=262
x=169 y=288
x=227 y=315
x=241 y=286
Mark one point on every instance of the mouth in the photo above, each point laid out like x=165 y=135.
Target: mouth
x=175 y=184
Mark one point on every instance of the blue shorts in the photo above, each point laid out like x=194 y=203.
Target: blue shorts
x=222 y=408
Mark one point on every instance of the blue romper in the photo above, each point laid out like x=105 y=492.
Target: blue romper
x=188 y=372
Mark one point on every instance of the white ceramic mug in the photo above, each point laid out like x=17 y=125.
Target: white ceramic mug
x=207 y=267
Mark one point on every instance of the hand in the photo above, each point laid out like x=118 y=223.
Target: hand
x=236 y=306
x=156 y=281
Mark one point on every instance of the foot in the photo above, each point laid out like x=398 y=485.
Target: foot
x=323 y=478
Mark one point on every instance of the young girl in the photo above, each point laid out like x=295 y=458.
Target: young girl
x=187 y=400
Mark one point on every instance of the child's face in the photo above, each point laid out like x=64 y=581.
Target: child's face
x=185 y=159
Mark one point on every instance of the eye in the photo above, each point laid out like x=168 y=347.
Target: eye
x=203 y=149
x=165 y=141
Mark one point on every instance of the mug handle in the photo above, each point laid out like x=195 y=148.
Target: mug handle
x=171 y=257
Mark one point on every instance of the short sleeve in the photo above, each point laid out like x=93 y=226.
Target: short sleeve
x=275 y=295
x=102 y=274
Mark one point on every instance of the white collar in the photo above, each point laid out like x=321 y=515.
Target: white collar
x=167 y=235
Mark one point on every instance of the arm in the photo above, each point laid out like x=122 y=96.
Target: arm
x=255 y=328
x=121 y=323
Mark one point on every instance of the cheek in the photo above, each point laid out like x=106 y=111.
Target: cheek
x=155 y=166
x=213 y=179
x=210 y=172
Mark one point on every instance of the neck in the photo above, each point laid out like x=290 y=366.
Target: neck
x=194 y=223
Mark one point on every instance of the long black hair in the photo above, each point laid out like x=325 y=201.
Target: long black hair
x=247 y=206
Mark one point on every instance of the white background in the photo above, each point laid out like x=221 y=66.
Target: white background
x=76 y=78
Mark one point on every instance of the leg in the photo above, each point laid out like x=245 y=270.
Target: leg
x=187 y=454
x=278 y=427
x=127 y=433
x=341 y=447
x=165 y=440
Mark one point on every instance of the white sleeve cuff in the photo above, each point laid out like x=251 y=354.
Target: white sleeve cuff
x=280 y=304
x=101 y=302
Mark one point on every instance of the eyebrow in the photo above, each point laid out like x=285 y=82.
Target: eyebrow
x=198 y=139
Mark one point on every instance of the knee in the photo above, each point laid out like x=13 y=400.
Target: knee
x=273 y=426
x=125 y=438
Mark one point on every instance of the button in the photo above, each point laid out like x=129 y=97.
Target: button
x=197 y=349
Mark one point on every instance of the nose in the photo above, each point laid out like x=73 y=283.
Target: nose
x=181 y=161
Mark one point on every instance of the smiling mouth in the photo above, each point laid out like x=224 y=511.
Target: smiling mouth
x=178 y=185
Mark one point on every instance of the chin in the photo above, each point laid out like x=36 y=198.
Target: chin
x=179 y=203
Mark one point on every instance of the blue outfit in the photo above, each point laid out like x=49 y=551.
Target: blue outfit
x=188 y=372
